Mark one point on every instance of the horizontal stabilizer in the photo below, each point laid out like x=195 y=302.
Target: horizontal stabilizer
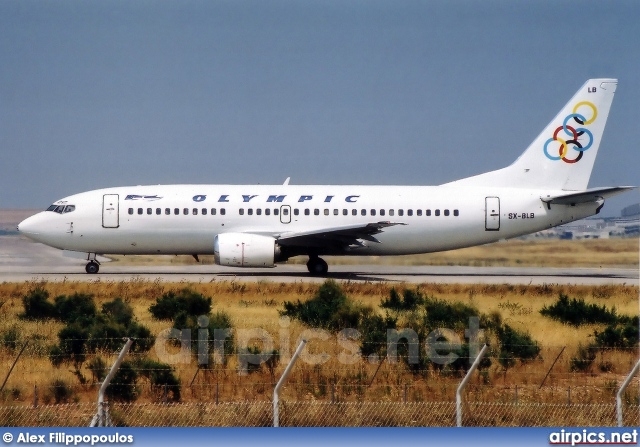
x=590 y=195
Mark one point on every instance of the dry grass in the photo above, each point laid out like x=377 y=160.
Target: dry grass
x=256 y=305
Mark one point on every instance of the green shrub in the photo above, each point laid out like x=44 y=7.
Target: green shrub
x=577 y=312
x=118 y=311
x=329 y=308
x=11 y=337
x=515 y=345
x=621 y=335
x=123 y=384
x=60 y=391
x=172 y=303
x=98 y=368
x=37 y=306
x=583 y=359
x=73 y=344
x=410 y=301
x=77 y=308
x=441 y=314
x=160 y=376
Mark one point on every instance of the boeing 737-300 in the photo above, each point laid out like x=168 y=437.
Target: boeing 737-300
x=261 y=225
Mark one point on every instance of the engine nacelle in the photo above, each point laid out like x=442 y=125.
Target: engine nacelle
x=245 y=250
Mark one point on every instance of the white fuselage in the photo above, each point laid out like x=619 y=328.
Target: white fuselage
x=184 y=219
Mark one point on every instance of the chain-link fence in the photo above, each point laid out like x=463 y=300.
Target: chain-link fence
x=324 y=414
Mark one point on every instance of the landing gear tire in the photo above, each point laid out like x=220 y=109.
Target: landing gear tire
x=317 y=266
x=92 y=267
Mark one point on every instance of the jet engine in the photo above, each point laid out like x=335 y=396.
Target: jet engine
x=245 y=250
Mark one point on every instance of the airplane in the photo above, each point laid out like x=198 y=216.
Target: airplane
x=261 y=225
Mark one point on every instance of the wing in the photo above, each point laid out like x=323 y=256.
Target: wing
x=344 y=237
x=590 y=195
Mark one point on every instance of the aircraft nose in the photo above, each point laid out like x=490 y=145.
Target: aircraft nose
x=30 y=226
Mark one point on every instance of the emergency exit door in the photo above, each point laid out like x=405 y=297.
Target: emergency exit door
x=110 y=211
x=492 y=214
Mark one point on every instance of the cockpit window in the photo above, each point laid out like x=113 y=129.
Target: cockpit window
x=62 y=209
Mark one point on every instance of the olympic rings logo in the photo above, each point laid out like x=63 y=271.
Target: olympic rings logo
x=570 y=134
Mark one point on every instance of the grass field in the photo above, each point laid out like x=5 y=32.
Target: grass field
x=255 y=306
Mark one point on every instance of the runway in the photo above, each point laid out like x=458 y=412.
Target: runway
x=22 y=260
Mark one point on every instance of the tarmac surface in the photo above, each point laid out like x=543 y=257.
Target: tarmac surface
x=22 y=260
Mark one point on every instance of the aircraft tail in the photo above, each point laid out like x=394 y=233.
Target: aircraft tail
x=562 y=156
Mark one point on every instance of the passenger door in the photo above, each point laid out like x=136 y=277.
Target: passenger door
x=492 y=214
x=110 y=211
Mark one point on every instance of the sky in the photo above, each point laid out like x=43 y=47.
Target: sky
x=107 y=93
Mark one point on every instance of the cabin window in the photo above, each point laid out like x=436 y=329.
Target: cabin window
x=213 y=211
x=400 y=212
x=437 y=212
x=456 y=213
x=176 y=211
x=285 y=211
x=140 y=210
x=296 y=212
x=223 y=211
x=428 y=212
x=363 y=212
x=158 y=211
x=409 y=212
x=185 y=211
x=167 y=211
x=259 y=212
x=194 y=211
x=354 y=212
x=316 y=212
x=267 y=212
x=391 y=212
x=276 y=211
x=446 y=212
x=345 y=212
x=419 y=212
x=250 y=211
x=326 y=211
x=336 y=212
x=373 y=212
x=149 y=211
x=307 y=212
x=241 y=211
x=204 y=211
x=130 y=210
x=382 y=212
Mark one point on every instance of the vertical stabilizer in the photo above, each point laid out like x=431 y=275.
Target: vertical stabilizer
x=562 y=156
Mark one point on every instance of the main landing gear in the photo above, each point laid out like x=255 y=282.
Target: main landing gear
x=92 y=267
x=317 y=266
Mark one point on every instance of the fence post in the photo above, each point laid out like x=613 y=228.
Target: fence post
x=285 y=374
x=624 y=386
x=100 y=419
x=463 y=384
x=14 y=364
